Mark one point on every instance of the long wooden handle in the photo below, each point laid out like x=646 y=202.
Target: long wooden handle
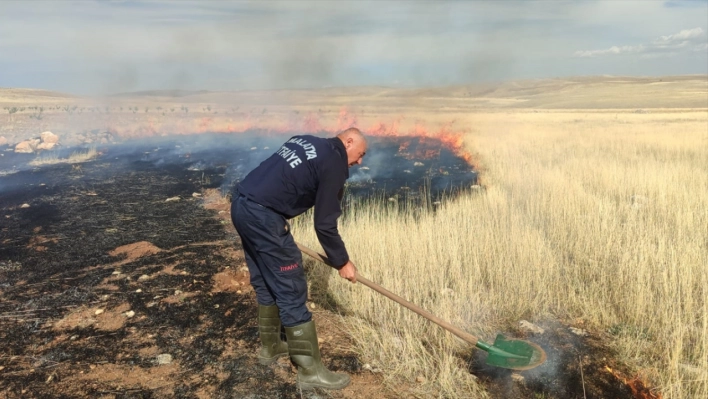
x=383 y=291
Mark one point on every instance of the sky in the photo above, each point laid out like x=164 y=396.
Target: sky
x=113 y=46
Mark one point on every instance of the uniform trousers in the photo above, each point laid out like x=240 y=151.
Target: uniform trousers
x=274 y=260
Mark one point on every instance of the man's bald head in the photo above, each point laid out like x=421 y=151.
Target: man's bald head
x=355 y=144
x=351 y=132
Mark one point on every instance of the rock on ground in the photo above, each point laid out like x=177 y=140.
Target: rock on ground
x=27 y=146
x=530 y=327
x=164 y=358
x=46 y=146
x=49 y=137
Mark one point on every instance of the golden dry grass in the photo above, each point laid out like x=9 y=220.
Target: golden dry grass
x=596 y=217
x=75 y=157
x=83 y=155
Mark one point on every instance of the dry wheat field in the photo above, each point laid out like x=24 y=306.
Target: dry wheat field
x=597 y=218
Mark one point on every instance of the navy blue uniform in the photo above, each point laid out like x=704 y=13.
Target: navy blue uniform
x=306 y=171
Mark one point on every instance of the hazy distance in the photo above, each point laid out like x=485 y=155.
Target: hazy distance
x=97 y=47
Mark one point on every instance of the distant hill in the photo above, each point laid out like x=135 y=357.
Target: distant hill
x=591 y=92
x=23 y=94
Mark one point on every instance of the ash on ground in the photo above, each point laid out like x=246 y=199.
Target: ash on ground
x=102 y=280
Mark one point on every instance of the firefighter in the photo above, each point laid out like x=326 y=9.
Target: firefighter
x=306 y=171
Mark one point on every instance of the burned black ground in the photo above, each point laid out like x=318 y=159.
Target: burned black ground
x=83 y=214
x=60 y=223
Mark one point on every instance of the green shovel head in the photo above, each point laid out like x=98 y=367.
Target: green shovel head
x=513 y=354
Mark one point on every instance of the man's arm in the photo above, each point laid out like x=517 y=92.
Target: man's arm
x=327 y=211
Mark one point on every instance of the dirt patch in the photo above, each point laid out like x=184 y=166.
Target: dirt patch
x=170 y=269
x=126 y=377
x=101 y=319
x=234 y=255
x=230 y=280
x=149 y=352
x=108 y=287
x=135 y=250
x=80 y=318
x=39 y=243
x=113 y=319
x=178 y=297
x=214 y=200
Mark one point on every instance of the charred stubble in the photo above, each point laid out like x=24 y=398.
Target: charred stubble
x=57 y=262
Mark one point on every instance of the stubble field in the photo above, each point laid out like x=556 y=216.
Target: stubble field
x=597 y=219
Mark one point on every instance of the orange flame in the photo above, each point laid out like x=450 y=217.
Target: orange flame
x=309 y=123
x=639 y=389
x=345 y=120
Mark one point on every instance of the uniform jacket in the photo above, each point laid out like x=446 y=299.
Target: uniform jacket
x=306 y=171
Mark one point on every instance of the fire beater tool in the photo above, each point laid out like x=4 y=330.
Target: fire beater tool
x=507 y=353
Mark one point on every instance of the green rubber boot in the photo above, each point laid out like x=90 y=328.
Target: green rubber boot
x=269 y=330
x=305 y=352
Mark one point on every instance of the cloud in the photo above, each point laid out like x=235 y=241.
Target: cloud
x=610 y=51
x=682 y=38
x=693 y=40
